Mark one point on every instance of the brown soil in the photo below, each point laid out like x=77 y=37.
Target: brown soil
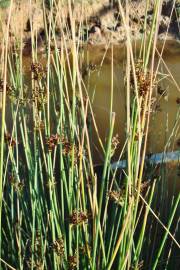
x=101 y=19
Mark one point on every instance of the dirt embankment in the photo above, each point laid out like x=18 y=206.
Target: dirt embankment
x=102 y=21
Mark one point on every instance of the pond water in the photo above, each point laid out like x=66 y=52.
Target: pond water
x=166 y=104
x=164 y=130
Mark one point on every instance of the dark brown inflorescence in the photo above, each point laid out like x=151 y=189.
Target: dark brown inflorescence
x=58 y=247
x=53 y=141
x=68 y=148
x=39 y=97
x=9 y=140
x=143 y=79
x=72 y=262
x=117 y=196
x=16 y=184
x=38 y=71
x=78 y=217
x=178 y=100
x=9 y=89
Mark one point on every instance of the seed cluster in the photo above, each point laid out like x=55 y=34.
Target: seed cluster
x=115 y=143
x=72 y=262
x=53 y=141
x=8 y=87
x=58 y=247
x=39 y=124
x=78 y=217
x=117 y=196
x=144 y=185
x=178 y=100
x=10 y=91
x=39 y=96
x=38 y=71
x=88 y=69
x=18 y=185
x=37 y=264
x=67 y=150
x=143 y=79
x=36 y=250
x=9 y=140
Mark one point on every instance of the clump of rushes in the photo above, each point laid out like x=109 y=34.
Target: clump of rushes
x=116 y=231
x=78 y=217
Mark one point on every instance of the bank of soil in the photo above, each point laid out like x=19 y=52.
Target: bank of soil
x=101 y=20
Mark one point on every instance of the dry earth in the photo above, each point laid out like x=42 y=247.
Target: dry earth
x=101 y=19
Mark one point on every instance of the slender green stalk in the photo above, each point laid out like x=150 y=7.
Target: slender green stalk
x=176 y=205
x=102 y=189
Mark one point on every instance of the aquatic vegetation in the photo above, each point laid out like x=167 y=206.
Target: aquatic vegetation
x=59 y=210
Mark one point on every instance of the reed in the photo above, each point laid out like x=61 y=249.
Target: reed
x=57 y=210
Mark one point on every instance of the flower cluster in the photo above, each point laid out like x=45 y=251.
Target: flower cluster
x=53 y=141
x=117 y=196
x=58 y=247
x=143 y=79
x=78 y=217
x=10 y=91
x=72 y=262
x=38 y=71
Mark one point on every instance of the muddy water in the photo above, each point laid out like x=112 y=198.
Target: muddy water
x=165 y=126
x=164 y=131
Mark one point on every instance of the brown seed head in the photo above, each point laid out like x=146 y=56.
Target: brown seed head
x=9 y=140
x=58 y=247
x=78 y=217
x=72 y=262
x=178 y=100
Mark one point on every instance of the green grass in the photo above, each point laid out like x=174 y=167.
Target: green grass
x=57 y=212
